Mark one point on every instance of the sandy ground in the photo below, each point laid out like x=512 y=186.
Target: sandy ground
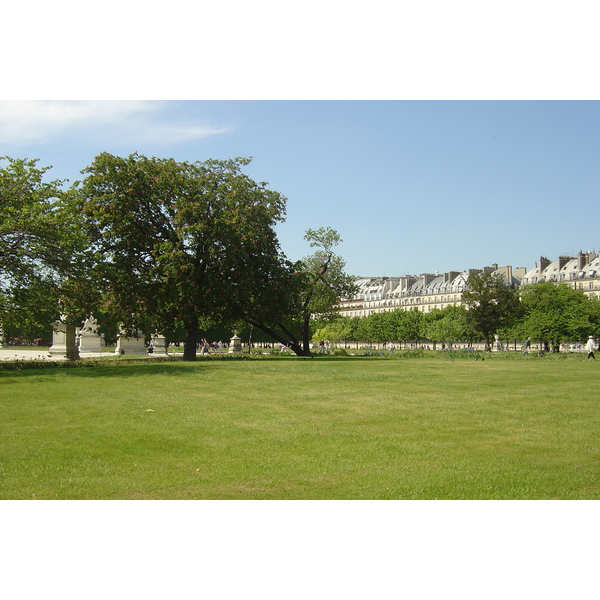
x=38 y=354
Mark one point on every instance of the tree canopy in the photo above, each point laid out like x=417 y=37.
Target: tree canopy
x=37 y=243
x=312 y=288
x=178 y=241
x=491 y=304
x=557 y=313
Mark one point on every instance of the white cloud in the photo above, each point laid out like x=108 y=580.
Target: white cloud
x=173 y=134
x=41 y=122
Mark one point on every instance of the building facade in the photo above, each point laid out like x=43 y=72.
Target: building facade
x=430 y=291
x=581 y=272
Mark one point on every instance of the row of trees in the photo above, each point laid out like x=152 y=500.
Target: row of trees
x=551 y=314
x=179 y=247
x=162 y=245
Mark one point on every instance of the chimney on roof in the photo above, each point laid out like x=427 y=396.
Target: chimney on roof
x=544 y=262
x=563 y=260
x=582 y=259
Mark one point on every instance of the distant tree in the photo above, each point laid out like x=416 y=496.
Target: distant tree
x=336 y=330
x=325 y=281
x=178 y=242
x=448 y=325
x=312 y=292
x=557 y=313
x=409 y=325
x=362 y=331
x=491 y=304
x=378 y=327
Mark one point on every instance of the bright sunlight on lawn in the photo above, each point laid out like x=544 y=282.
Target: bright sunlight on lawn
x=288 y=428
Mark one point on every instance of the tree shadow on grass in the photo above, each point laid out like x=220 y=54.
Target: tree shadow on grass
x=91 y=368
x=97 y=369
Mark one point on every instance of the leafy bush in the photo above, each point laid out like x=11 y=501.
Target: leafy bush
x=464 y=353
x=20 y=365
x=411 y=354
x=339 y=352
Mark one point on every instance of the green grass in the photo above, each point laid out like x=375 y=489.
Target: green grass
x=288 y=428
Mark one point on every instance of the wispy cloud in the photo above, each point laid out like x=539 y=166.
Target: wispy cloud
x=41 y=122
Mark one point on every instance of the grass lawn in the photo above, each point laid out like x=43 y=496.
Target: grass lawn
x=289 y=428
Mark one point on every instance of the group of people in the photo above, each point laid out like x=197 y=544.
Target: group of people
x=324 y=346
x=590 y=347
x=204 y=346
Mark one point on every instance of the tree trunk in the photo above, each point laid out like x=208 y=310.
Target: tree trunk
x=305 y=336
x=291 y=342
x=191 y=338
x=488 y=347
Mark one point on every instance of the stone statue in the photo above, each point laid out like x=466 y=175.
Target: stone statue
x=90 y=325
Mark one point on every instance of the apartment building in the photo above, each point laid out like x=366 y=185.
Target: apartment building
x=581 y=272
x=429 y=291
x=425 y=292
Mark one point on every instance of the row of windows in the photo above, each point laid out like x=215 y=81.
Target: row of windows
x=562 y=277
x=428 y=304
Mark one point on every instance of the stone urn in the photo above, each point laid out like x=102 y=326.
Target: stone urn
x=235 y=344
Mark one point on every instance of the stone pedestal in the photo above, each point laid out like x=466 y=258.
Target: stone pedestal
x=159 y=345
x=133 y=345
x=235 y=344
x=89 y=342
x=497 y=347
x=64 y=343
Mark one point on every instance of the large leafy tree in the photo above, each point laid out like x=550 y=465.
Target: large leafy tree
x=178 y=241
x=557 y=313
x=491 y=304
x=309 y=291
x=325 y=281
x=38 y=240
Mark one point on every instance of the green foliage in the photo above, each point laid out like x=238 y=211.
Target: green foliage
x=409 y=325
x=182 y=242
x=337 y=330
x=316 y=287
x=490 y=303
x=448 y=325
x=326 y=281
x=411 y=354
x=38 y=241
x=557 y=313
x=339 y=352
x=394 y=326
x=466 y=353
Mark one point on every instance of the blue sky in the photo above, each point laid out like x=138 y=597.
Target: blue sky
x=411 y=186
x=357 y=114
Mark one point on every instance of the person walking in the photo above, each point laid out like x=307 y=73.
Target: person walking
x=590 y=347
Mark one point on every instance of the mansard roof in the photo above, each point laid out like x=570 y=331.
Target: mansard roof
x=566 y=268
